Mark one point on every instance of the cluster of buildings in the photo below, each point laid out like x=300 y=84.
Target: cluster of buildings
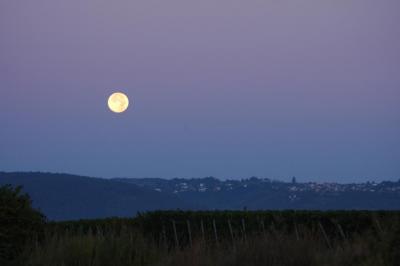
x=215 y=185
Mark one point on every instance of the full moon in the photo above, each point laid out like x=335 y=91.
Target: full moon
x=118 y=102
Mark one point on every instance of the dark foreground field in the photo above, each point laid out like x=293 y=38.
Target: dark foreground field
x=221 y=238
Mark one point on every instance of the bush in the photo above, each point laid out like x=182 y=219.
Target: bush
x=19 y=223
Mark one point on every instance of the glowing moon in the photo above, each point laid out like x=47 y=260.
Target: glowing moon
x=118 y=102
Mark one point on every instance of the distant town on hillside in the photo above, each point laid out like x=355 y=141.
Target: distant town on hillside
x=70 y=197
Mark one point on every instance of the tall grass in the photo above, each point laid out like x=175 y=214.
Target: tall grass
x=129 y=247
x=125 y=248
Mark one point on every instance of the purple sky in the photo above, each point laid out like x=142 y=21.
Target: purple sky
x=226 y=88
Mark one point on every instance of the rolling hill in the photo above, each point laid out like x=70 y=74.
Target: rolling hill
x=69 y=197
x=65 y=197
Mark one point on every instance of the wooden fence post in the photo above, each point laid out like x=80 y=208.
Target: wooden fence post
x=175 y=234
x=263 y=228
x=202 y=231
x=341 y=231
x=296 y=232
x=244 y=230
x=325 y=235
x=189 y=232
x=378 y=226
x=215 y=231
x=273 y=229
x=164 y=236
x=231 y=231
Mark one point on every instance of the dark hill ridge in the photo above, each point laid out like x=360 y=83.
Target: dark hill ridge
x=64 y=197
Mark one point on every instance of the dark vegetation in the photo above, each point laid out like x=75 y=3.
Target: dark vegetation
x=20 y=224
x=198 y=237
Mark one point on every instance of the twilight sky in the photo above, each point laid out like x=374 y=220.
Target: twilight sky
x=229 y=88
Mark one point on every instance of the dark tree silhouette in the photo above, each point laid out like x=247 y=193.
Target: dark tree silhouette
x=19 y=222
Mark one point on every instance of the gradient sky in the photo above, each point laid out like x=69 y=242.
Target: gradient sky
x=228 y=88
